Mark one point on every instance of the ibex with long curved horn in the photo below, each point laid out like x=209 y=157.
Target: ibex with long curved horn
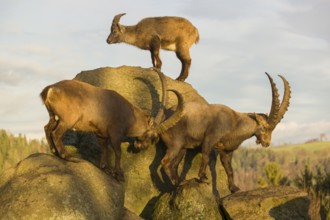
x=215 y=126
x=76 y=105
x=169 y=33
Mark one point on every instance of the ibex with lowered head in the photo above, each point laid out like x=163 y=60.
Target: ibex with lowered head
x=169 y=33
x=76 y=105
x=215 y=126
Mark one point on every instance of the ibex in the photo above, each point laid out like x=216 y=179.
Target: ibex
x=76 y=105
x=215 y=126
x=169 y=33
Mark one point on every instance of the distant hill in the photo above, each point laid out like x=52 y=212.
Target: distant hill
x=311 y=147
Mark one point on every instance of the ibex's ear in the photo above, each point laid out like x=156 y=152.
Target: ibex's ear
x=262 y=120
x=121 y=28
x=257 y=117
x=252 y=115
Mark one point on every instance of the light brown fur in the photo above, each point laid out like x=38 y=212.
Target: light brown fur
x=168 y=33
x=76 y=105
x=215 y=126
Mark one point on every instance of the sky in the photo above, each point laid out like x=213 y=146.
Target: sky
x=42 y=42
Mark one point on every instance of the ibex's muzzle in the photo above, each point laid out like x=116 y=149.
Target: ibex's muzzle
x=263 y=143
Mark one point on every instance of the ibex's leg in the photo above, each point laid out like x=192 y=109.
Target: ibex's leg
x=206 y=149
x=155 y=49
x=175 y=165
x=48 y=129
x=115 y=144
x=167 y=162
x=184 y=56
x=57 y=135
x=104 y=160
x=226 y=158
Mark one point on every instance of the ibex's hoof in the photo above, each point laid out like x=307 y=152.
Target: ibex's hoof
x=119 y=176
x=64 y=156
x=234 y=189
x=180 y=79
x=108 y=171
x=74 y=159
x=156 y=68
x=203 y=178
x=192 y=181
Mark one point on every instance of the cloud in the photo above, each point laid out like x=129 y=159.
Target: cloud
x=300 y=132
x=311 y=18
x=44 y=43
x=15 y=71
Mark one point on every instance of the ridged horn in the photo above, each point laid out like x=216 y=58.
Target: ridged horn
x=160 y=114
x=116 y=19
x=274 y=111
x=285 y=101
x=175 y=117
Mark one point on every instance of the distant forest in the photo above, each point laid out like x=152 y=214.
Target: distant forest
x=306 y=166
x=15 y=148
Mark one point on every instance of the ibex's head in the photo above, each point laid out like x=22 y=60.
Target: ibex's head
x=149 y=137
x=266 y=124
x=156 y=127
x=117 y=30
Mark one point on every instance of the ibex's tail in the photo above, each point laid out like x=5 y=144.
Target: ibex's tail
x=44 y=93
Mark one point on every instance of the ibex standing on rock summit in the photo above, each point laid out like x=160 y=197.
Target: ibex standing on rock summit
x=76 y=105
x=215 y=126
x=169 y=33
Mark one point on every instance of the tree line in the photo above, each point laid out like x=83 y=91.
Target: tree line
x=306 y=167
x=14 y=148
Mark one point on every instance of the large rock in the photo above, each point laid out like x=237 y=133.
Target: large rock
x=192 y=200
x=45 y=187
x=144 y=178
x=267 y=203
x=138 y=85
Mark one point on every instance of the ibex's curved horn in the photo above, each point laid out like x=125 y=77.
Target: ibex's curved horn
x=116 y=19
x=278 y=110
x=285 y=101
x=273 y=114
x=177 y=115
x=160 y=113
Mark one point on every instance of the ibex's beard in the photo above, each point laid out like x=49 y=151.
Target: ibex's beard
x=138 y=145
x=264 y=144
